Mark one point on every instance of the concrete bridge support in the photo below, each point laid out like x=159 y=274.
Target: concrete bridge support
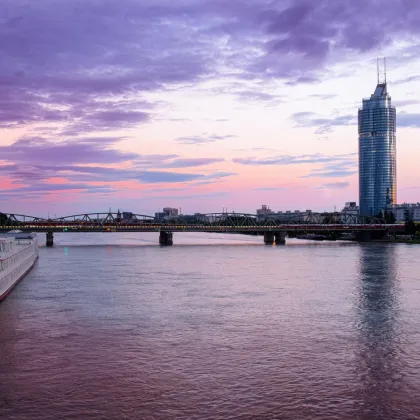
x=50 y=239
x=165 y=238
x=379 y=235
x=363 y=236
x=269 y=238
x=280 y=238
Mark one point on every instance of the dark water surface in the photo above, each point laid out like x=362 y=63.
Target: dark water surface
x=215 y=327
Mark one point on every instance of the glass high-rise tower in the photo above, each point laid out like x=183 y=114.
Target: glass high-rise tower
x=377 y=151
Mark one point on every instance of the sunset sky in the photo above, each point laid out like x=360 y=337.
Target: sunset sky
x=198 y=104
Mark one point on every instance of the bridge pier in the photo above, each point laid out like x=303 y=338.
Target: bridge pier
x=165 y=238
x=50 y=239
x=280 y=238
x=269 y=238
x=363 y=236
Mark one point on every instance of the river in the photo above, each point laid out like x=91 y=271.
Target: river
x=113 y=326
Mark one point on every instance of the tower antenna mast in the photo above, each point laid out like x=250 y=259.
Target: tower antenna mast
x=381 y=70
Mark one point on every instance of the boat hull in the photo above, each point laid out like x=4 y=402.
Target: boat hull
x=10 y=281
x=18 y=253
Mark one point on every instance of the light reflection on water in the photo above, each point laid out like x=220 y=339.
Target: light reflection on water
x=214 y=327
x=380 y=365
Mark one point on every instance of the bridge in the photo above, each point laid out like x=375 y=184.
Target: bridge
x=272 y=227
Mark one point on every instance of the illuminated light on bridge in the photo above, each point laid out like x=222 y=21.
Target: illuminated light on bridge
x=274 y=229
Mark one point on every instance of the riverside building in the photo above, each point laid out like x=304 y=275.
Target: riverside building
x=405 y=212
x=377 y=150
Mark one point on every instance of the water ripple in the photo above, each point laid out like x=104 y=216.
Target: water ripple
x=226 y=331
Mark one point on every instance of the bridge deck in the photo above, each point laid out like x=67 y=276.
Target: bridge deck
x=70 y=227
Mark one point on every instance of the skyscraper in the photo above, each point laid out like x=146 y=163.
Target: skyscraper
x=377 y=150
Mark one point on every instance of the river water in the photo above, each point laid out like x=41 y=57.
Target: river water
x=112 y=326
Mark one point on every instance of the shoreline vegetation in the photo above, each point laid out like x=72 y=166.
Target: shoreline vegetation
x=391 y=240
x=407 y=241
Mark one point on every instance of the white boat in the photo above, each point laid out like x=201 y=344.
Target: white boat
x=18 y=253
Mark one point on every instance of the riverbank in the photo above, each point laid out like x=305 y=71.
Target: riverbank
x=408 y=241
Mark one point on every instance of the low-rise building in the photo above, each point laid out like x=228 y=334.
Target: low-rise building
x=405 y=212
x=349 y=214
x=167 y=213
x=288 y=216
x=416 y=213
x=127 y=216
x=263 y=212
x=170 y=211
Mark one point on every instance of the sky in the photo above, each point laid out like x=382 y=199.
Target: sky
x=202 y=105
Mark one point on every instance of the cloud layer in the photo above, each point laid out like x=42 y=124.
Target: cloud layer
x=297 y=160
x=83 y=64
x=78 y=77
x=325 y=166
x=37 y=165
x=204 y=138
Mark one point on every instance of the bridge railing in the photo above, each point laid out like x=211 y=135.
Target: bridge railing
x=9 y=219
x=217 y=220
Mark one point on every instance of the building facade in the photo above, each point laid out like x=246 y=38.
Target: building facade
x=289 y=216
x=377 y=152
x=167 y=213
x=405 y=212
x=349 y=214
x=264 y=211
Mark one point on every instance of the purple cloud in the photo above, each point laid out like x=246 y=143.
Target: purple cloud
x=271 y=189
x=28 y=151
x=334 y=185
x=330 y=174
x=42 y=189
x=255 y=96
x=77 y=67
x=405 y=119
x=104 y=121
x=298 y=160
x=342 y=167
x=302 y=80
x=109 y=51
x=405 y=102
x=332 y=166
x=406 y=80
x=189 y=163
x=207 y=196
x=151 y=177
x=204 y=138
x=324 y=125
x=33 y=161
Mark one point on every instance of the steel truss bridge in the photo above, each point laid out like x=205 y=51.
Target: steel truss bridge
x=213 y=222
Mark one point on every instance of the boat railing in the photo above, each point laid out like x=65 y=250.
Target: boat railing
x=8 y=258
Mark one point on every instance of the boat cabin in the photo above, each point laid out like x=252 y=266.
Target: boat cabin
x=6 y=247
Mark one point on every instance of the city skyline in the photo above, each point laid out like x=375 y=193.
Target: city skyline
x=198 y=105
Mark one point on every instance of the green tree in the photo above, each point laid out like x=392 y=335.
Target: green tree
x=3 y=219
x=410 y=227
x=389 y=217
